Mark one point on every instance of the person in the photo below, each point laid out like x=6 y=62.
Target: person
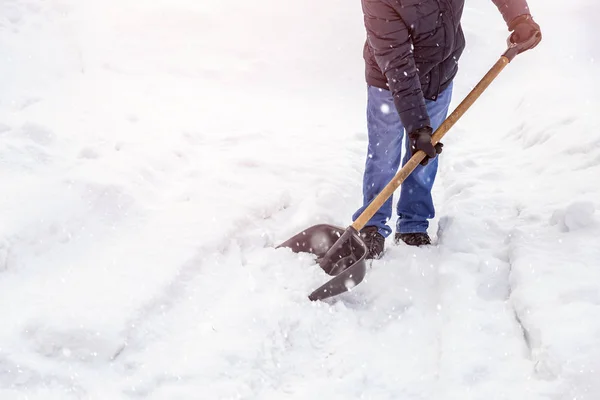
x=411 y=59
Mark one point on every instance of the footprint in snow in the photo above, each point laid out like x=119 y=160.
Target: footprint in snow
x=77 y=344
x=88 y=153
x=576 y=216
x=39 y=134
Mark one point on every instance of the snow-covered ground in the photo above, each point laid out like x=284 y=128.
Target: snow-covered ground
x=153 y=155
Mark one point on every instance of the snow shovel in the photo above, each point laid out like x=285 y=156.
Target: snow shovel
x=341 y=252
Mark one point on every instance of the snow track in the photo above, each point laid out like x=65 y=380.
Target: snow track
x=153 y=156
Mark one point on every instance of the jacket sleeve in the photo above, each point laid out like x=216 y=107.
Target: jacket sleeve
x=511 y=9
x=389 y=38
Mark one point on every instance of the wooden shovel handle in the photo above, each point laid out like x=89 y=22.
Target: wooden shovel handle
x=416 y=159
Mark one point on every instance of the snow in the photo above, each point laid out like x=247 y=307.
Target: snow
x=154 y=154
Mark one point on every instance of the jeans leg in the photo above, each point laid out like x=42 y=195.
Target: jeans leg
x=415 y=205
x=383 y=159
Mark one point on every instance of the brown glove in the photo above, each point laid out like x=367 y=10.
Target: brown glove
x=524 y=29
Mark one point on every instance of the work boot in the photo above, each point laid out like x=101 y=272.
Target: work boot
x=413 y=239
x=374 y=241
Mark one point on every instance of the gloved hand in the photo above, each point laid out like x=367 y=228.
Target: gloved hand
x=523 y=29
x=420 y=139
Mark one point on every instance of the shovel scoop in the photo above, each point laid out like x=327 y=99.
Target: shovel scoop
x=342 y=253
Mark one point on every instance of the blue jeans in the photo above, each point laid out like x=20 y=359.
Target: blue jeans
x=415 y=205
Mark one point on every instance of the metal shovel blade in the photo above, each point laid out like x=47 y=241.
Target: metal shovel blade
x=340 y=253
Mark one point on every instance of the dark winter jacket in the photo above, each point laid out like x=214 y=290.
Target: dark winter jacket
x=413 y=47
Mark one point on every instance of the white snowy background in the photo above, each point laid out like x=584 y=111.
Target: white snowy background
x=154 y=154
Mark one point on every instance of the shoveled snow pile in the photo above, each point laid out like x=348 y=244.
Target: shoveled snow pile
x=154 y=154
